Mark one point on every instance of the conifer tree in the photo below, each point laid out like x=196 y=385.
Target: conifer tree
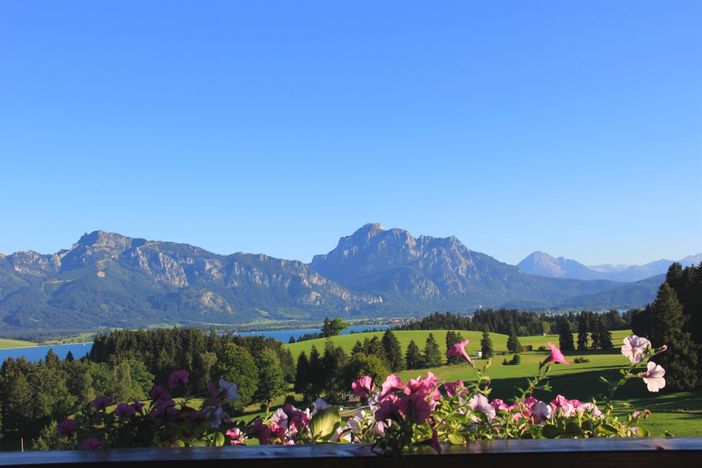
x=357 y=348
x=603 y=334
x=681 y=359
x=393 y=351
x=486 y=345
x=513 y=344
x=316 y=374
x=565 y=335
x=582 y=333
x=375 y=348
x=302 y=374
x=413 y=357
x=432 y=354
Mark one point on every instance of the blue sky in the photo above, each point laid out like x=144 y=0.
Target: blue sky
x=278 y=126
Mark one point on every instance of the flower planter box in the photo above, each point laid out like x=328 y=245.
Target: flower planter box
x=570 y=453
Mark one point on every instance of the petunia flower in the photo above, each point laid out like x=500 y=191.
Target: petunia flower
x=653 y=377
x=157 y=392
x=101 y=403
x=435 y=441
x=363 y=386
x=125 y=411
x=459 y=350
x=454 y=388
x=564 y=406
x=66 y=427
x=541 y=412
x=392 y=384
x=236 y=437
x=178 y=378
x=229 y=390
x=556 y=356
x=91 y=443
x=635 y=348
x=480 y=403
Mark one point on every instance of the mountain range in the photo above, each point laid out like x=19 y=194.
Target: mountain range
x=110 y=280
x=543 y=264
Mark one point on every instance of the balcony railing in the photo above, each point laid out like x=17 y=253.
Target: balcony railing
x=566 y=453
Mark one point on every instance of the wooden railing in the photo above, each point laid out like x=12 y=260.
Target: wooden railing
x=566 y=453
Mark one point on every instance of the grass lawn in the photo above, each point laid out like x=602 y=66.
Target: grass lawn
x=678 y=413
x=7 y=343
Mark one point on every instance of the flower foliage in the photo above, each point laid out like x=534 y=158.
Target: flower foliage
x=393 y=416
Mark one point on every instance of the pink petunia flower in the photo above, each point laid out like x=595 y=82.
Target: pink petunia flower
x=454 y=388
x=178 y=378
x=157 y=392
x=91 y=443
x=66 y=427
x=236 y=437
x=500 y=405
x=101 y=403
x=424 y=386
x=363 y=386
x=635 y=348
x=459 y=350
x=556 y=356
x=541 y=412
x=564 y=406
x=653 y=377
x=392 y=384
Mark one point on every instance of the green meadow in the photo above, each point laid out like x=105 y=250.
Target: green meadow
x=7 y=343
x=677 y=413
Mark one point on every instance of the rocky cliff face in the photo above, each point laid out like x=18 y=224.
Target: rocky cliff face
x=111 y=280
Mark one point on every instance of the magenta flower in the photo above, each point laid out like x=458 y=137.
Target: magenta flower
x=500 y=405
x=459 y=350
x=125 y=411
x=454 y=388
x=91 y=443
x=635 y=348
x=236 y=437
x=424 y=386
x=66 y=427
x=392 y=407
x=164 y=408
x=392 y=384
x=157 y=392
x=653 y=377
x=101 y=403
x=362 y=387
x=564 y=406
x=556 y=356
x=178 y=378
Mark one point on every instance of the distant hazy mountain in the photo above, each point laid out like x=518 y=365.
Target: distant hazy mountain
x=543 y=264
x=110 y=280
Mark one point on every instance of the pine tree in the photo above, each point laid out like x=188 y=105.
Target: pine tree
x=604 y=335
x=565 y=335
x=413 y=357
x=451 y=339
x=316 y=374
x=271 y=381
x=302 y=374
x=513 y=344
x=582 y=333
x=333 y=362
x=393 y=351
x=432 y=354
x=486 y=345
x=375 y=348
x=357 y=348
x=681 y=359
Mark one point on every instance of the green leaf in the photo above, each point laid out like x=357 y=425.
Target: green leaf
x=219 y=439
x=550 y=431
x=456 y=439
x=180 y=443
x=324 y=423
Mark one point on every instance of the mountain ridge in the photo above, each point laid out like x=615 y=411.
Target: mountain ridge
x=111 y=280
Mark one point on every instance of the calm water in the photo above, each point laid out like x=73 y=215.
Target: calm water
x=79 y=350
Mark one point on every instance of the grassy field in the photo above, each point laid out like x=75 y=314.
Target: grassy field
x=7 y=343
x=678 y=413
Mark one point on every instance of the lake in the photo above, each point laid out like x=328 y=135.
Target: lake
x=34 y=353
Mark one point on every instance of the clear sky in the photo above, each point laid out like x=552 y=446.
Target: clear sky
x=278 y=126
